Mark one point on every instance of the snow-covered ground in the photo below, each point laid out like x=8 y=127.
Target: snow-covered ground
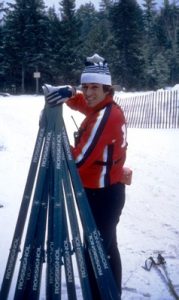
x=149 y=224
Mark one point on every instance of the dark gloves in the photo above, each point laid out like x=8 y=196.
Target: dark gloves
x=55 y=95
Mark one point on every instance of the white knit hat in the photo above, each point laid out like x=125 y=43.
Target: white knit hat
x=96 y=71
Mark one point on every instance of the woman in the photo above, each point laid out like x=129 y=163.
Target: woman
x=99 y=153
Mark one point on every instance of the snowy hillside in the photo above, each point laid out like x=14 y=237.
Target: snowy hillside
x=149 y=224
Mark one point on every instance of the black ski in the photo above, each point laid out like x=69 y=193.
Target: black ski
x=77 y=243
x=36 y=204
x=32 y=290
x=67 y=258
x=16 y=241
x=104 y=276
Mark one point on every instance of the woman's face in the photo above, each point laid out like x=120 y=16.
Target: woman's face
x=93 y=93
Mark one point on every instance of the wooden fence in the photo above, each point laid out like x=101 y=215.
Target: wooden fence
x=151 y=109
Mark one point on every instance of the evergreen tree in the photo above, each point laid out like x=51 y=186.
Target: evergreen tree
x=1 y=57
x=149 y=16
x=54 y=42
x=1 y=11
x=24 y=41
x=68 y=58
x=89 y=31
x=95 y=29
x=105 y=5
x=141 y=45
x=88 y=18
x=108 y=47
x=167 y=33
x=127 y=25
x=150 y=45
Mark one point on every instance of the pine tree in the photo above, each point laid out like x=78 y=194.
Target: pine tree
x=88 y=18
x=24 y=41
x=68 y=59
x=95 y=30
x=108 y=48
x=167 y=33
x=1 y=11
x=151 y=49
x=1 y=58
x=127 y=25
x=149 y=16
x=54 y=42
x=105 y=5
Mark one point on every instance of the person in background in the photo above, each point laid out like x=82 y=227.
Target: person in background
x=100 y=154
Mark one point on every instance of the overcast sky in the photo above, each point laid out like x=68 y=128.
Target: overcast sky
x=80 y=2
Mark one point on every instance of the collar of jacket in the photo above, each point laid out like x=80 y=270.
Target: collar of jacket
x=107 y=100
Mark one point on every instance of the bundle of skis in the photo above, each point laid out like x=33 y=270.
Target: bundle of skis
x=59 y=218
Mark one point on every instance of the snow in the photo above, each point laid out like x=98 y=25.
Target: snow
x=149 y=224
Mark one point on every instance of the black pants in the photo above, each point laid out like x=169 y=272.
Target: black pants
x=106 y=205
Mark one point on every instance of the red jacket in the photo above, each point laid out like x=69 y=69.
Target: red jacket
x=101 y=149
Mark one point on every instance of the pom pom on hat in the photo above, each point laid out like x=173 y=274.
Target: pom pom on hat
x=95 y=59
x=96 y=71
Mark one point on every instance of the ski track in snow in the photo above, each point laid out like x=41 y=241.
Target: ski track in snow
x=149 y=224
